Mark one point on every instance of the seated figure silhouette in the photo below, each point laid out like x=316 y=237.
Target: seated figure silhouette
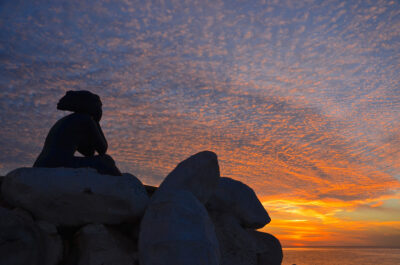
x=79 y=131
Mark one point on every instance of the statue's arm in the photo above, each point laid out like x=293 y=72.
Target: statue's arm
x=86 y=150
x=99 y=141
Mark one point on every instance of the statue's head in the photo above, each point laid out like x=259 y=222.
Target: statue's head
x=81 y=101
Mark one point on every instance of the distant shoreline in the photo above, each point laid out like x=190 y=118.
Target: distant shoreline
x=391 y=247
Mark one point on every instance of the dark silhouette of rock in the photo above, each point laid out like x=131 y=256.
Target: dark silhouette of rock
x=235 y=244
x=198 y=174
x=238 y=199
x=52 y=242
x=25 y=242
x=97 y=244
x=74 y=216
x=72 y=197
x=242 y=246
x=176 y=230
x=83 y=217
x=269 y=249
x=79 y=131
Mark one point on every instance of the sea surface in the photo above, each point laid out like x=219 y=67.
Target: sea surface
x=341 y=256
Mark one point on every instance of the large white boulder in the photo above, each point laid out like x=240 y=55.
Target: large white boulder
x=198 y=174
x=238 y=199
x=176 y=230
x=22 y=241
x=96 y=244
x=67 y=196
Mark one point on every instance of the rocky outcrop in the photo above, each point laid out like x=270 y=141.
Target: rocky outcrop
x=22 y=241
x=236 y=245
x=177 y=230
x=268 y=248
x=22 y=236
x=199 y=174
x=69 y=216
x=239 y=200
x=52 y=243
x=96 y=244
x=241 y=246
x=72 y=197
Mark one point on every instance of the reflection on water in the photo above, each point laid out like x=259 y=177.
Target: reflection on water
x=341 y=256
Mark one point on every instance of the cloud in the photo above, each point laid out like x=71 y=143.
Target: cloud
x=298 y=99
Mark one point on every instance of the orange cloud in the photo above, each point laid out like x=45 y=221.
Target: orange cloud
x=299 y=99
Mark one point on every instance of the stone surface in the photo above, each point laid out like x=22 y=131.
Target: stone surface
x=21 y=240
x=242 y=246
x=198 y=174
x=96 y=244
x=236 y=245
x=176 y=230
x=66 y=196
x=238 y=199
x=52 y=241
x=268 y=248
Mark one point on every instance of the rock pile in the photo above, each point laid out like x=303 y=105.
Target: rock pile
x=79 y=217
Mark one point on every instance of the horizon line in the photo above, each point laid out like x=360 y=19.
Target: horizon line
x=397 y=247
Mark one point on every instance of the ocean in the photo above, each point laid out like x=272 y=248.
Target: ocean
x=341 y=256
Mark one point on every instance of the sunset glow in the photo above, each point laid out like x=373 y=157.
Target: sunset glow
x=299 y=99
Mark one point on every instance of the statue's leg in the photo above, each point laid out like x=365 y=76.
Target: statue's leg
x=107 y=165
x=104 y=164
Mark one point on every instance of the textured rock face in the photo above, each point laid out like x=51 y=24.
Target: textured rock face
x=19 y=235
x=176 y=230
x=66 y=196
x=24 y=242
x=238 y=199
x=79 y=217
x=198 y=174
x=52 y=242
x=97 y=245
x=236 y=245
x=268 y=248
x=241 y=246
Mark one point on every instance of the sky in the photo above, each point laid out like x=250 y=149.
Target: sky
x=300 y=100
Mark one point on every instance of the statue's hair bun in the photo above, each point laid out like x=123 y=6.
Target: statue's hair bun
x=81 y=101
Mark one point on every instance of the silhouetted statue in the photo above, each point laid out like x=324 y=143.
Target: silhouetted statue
x=79 y=131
